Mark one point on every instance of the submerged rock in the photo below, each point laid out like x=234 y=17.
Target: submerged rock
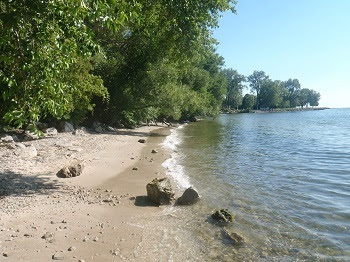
x=190 y=196
x=223 y=215
x=233 y=237
x=160 y=191
x=73 y=170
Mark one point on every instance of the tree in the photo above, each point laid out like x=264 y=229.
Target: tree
x=256 y=80
x=270 y=94
x=248 y=101
x=234 y=88
x=304 y=97
x=40 y=43
x=293 y=87
x=314 y=98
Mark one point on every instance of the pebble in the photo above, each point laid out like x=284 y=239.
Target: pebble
x=48 y=235
x=135 y=168
x=58 y=256
x=72 y=248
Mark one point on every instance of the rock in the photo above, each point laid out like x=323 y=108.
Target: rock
x=48 y=236
x=7 y=139
x=98 y=127
x=51 y=132
x=142 y=141
x=58 y=256
x=5 y=255
x=154 y=151
x=41 y=126
x=28 y=136
x=65 y=126
x=81 y=260
x=11 y=146
x=223 y=215
x=73 y=170
x=190 y=196
x=72 y=248
x=135 y=168
x=160 y=191
x=233 y=237
x=26 y=152
x=20 y=145
x=79 y=132
x=110 y=129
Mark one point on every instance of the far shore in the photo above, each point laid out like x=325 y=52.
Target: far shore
x=92 y=217
x=275 y=110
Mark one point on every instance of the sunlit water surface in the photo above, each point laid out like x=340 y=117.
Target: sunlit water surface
x=286 y=176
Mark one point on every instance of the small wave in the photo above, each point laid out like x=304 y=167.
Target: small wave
x=174 y=169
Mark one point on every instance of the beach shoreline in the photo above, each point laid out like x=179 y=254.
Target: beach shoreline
x=96 y=215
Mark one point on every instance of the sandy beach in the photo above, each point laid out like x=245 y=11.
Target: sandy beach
x=98 y=216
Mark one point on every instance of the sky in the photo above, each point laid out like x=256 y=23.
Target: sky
x=304 y=39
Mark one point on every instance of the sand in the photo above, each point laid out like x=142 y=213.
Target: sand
x=98 y=216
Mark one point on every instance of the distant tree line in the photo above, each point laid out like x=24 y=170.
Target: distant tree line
x=265 y=92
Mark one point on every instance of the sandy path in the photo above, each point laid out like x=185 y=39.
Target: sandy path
x=97 y=215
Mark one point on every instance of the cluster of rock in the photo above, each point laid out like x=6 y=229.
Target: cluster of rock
x=160 y=192
x=223 y=217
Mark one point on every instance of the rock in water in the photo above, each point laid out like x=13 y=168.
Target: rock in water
x=223 y=215
x=72 y=170
x=233 y=237
x=190 y=196
x=160 y=191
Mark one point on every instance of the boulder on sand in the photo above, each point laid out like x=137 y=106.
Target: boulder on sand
x=160 y=191
x=190 y=196
x=72 y=170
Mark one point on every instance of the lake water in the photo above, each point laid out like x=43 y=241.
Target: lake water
x=286 y=176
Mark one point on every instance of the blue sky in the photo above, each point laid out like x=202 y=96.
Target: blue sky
x=304 y=39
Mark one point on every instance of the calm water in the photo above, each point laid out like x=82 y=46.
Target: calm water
x=286 y=176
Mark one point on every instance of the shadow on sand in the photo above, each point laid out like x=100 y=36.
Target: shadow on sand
x=144 y=201
x=13 y=184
